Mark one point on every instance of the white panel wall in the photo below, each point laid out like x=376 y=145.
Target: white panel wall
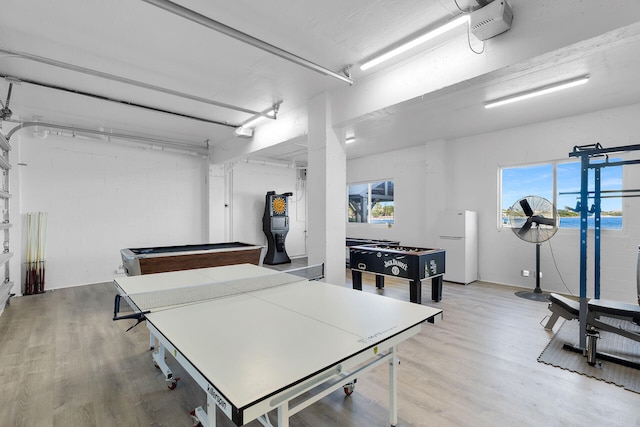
x=250 y=184
x=463 y=174
x=408 y=169
x=472 y=183
x=102 y=197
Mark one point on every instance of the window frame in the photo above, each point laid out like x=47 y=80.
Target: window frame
x=370 y=206
x=555 y=193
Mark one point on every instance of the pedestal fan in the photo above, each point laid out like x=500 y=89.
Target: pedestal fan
x=534 y=219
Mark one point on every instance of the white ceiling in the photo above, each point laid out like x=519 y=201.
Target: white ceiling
x=140 y=42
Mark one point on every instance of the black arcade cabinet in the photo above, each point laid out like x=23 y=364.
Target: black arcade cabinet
x=275 y=224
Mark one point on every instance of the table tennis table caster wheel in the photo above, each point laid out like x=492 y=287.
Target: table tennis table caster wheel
x=196 y=421
x=172 y=383
x=348 y=388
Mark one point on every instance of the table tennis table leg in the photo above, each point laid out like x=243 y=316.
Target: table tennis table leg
x=283 y=415
x=205 y=418
x=152 y=341
x=158 y=359
x=393 y=387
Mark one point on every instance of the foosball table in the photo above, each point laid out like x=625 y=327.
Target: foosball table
x=415 y=264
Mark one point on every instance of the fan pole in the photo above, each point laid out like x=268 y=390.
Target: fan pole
x=538 y=290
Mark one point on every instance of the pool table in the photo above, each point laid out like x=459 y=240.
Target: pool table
x=137 y=261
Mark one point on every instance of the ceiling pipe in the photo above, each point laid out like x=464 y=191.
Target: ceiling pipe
x=95 y=73
x=118 y=101
x=205 y=21
x=163 y=142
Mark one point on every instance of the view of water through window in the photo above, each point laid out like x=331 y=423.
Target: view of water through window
x=538 y=180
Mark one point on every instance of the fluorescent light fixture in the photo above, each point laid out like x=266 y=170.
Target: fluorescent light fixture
x=350 y=139
x=243 y=132
x=566 y=84
x=463 y=19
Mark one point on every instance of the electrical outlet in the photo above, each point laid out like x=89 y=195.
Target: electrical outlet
x=525 y=273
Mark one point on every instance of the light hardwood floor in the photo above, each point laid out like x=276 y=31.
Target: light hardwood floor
x=64 y=362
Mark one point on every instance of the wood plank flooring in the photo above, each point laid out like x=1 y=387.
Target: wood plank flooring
x=64 y=362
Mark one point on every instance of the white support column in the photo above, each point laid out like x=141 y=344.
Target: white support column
x=326 y=184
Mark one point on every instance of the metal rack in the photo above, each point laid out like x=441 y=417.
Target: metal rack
x=587 y=153
x=5 y=224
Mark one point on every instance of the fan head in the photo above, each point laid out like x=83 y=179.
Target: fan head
x=533 y=219
x=5 y=113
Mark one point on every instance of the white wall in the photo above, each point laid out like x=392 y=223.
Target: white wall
x=103 y=197
x=463 y=174
x=250 y=182
x=407 y=168
x=472 y=183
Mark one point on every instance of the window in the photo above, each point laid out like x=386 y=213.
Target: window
x=371 y=202
x=540 y=180
x=568 y=196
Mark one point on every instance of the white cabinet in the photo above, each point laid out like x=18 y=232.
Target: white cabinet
x=458 y=236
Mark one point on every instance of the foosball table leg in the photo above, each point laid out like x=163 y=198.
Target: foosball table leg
x=415 y=291
x=436 y=288
x=356 y=279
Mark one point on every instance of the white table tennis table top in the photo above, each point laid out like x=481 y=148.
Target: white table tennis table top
x=251 y=346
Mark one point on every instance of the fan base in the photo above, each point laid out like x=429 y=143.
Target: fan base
x=533 y=296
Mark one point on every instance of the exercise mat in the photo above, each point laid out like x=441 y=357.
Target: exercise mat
x=623 y=376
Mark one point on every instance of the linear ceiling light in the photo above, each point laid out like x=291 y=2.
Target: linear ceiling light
x=462 y=19
x=566 y=84
x=198 y=18
x=350 y=139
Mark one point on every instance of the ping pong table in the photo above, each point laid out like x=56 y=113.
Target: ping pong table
x=259 y=340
